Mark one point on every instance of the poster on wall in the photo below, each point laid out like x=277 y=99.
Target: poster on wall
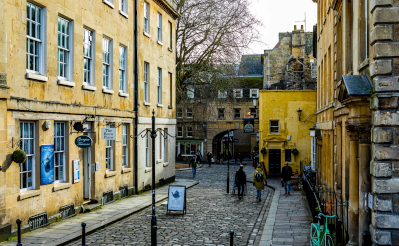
x=177 y=198
x=46 y=164
x=76 y=171
x=249 y=125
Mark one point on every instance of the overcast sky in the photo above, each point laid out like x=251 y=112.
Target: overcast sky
x=281 y=16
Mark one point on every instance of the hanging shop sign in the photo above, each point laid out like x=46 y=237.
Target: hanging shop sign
x=47 y=164
x=83 y=141
x=249 y=125
x=177 y=198
x=108 y=133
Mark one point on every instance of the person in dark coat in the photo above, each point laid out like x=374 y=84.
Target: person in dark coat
x=209 y=157
x=240 y=181
x=193 y=165
x=286 y=174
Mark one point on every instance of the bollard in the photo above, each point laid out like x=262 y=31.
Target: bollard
x=19 y=232
x=231 y=238
x=83 y=234
x=154 y=237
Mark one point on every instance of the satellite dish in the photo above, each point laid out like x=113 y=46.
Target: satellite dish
x=78 y=126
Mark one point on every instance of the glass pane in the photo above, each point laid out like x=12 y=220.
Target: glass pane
x=28 y=28
x=39 y=15
x=67 y=27
x=37 y=47
x=31 y=147
x=30 y=177
x=62 y=158
x=33 y=30
x=26 y=130
x=59 y=24
x=56 y=171
x=38 y=27
x=62 y=129
x=63 y=41
x=274 y=123
x=31 y=130
x=36 y=63
x=85 y=76
x=67 y=42
x=56 y=159
x=29 y=162
x=33 y=12
x=62 y=140
x=61 y=172
x=23 y=180
x=28 y=10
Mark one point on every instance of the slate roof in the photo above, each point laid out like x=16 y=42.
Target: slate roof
x=357 y=85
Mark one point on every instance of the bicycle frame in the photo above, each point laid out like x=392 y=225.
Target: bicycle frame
x=320 y=233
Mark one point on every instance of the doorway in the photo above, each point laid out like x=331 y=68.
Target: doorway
x=274 y=162
x=87 y=166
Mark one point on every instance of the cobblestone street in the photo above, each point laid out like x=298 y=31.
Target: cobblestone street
x=211 y=214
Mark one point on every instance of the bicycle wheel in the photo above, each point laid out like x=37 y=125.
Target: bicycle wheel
x=327 y=241
x=314 y=234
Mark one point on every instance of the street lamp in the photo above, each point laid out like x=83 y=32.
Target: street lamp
x=228 y=161
x=299 y=111
x=255 y=102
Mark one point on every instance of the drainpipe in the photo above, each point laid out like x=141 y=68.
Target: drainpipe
x=136 y=95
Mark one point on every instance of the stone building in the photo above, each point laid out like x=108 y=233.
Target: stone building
x=290 y=65
x=206 y=114
x=357 y=118
x=67 y=70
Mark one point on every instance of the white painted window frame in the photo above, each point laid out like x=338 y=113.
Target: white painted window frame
x=237 y=93
x=122 y=69
x=189 y=111
x=187 y=131
x=29 y=140
x=278 y=127
x=59 y=153
x=251 y=93
x=107 y=63
x=88 y=40
x=38 y=39
x=180 y=133
x=125 y=145
x=146 y=18
x=146 y=82
x=159 y=86
x=159 y=27
x=109 y=153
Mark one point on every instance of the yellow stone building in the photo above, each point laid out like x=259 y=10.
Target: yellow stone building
x=68 y=62
x=285 y=118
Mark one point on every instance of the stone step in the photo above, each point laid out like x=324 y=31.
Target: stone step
x=91 y=207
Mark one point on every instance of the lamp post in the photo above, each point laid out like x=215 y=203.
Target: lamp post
x=255 y=104
x=228 y=161
x=153 y=219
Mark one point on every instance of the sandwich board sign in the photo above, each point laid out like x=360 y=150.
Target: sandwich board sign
x=177 y=199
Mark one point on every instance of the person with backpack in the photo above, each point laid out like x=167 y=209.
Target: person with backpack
x=259 y=182
x=241 y=179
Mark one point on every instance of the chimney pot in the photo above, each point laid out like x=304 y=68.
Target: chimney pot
x=301 y=27
x=294 y=27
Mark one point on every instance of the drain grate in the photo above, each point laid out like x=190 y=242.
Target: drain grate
x=37 y=221
x=108 y=196
x=123 y=190
x=67 y=211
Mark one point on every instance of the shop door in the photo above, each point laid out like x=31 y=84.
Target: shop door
x=274 y=162
x=87 y=166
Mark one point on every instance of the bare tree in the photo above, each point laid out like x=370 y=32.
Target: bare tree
x=211 y=33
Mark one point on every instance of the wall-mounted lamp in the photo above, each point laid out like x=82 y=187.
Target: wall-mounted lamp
x=299 y=111
x=255 y=101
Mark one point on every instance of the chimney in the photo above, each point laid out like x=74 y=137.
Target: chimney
x=294 y=27
x=301 y=27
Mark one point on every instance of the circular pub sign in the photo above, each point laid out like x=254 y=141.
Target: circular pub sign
x=83 y=142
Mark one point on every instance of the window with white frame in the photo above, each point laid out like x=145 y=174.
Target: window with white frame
x=189 y=131
x=123 y=6
x=274 y=126
x=125 y=138
x=165 y=146
x=107 y=48
x=34 y=38
x=147 y=150
x=237 y=93
x=146 y=77
x=254 y=93
x=87 y=57
x=146 y=17
x=122 y=69
x=159 y=86
x=59 y=152
x=109 y=146
x=159 y=27
x=180 y=131
x=63 y=48
x=222 y=94
x=189 y=113
x=179 y=113
x=288 y=155
x=27 y=169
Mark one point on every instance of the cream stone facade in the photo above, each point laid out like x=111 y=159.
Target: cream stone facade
x=67 y=62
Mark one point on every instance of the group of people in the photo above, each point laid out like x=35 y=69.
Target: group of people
x=259 y=181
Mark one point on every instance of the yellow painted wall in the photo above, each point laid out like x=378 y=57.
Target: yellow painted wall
x=283 y=106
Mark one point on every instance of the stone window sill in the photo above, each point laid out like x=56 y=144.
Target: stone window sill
x=147 y=34
x=159 y=161
x=127 y=170
x=166 y=164
x=61 y=186
x=122 y=94
x=160 y=43
x=148 y=169
x=109 y=174
x=159 y=105
x=147 y=104
x=123 y=14
x=36 y=77
x=108 y=91
x=29 y=194
x=89 y=87
x=65 y=82
x=109 y=4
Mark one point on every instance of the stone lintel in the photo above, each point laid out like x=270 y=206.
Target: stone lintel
x=382 y=50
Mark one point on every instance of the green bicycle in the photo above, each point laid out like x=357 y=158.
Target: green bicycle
x=319 y=234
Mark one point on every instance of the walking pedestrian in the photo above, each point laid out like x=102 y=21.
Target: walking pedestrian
x=240 y=157
x=193 y=165
x=259 y=182
x=235 y=157
x=198 y=157
x=286 y=174
x=240 y=181
x=209 y=157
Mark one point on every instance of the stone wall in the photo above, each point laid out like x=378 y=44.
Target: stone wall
x=385 y=134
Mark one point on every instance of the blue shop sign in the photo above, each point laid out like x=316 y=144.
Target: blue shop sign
x=83 y=141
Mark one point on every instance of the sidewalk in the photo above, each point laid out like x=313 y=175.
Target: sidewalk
x=288 y=221
x=61 y=233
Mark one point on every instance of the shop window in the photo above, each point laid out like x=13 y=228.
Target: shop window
x=27 y=169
